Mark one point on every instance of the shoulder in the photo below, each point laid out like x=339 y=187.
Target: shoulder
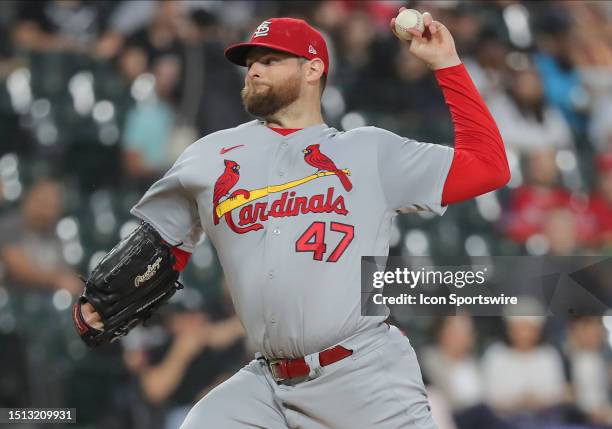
x=370 y=134
x=228 y=133
x=495 y=352
x=213 y=140
x=547 y=352
x=371 y=131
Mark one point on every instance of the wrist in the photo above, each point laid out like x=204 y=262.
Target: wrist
x=446 y=62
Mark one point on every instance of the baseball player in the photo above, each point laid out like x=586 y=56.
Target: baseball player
x=291 y=205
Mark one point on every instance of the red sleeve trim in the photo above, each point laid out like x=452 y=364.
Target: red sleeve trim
x=479 y=163
x=181 y=258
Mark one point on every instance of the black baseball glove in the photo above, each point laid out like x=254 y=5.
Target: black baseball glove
x=127 y=286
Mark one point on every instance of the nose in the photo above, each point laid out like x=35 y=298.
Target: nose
x=254 y=71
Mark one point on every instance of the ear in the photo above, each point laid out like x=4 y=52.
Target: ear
x=315 y=69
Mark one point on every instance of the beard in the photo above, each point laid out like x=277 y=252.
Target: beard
x=263 y=101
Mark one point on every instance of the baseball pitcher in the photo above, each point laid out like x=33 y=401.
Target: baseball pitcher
x=291 y=205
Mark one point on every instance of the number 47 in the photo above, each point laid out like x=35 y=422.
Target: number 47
x=313 y=240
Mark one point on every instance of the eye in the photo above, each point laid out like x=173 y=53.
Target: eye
x=271 y=60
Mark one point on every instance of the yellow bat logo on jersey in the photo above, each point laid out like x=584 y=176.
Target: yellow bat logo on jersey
x=251 y=216
x=239 y=200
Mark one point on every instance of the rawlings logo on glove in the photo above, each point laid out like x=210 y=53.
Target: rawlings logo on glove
x=151 y=269
x=109 y=289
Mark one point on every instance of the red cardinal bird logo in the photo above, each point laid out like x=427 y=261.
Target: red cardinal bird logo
x=314 y=157
x=224 y=183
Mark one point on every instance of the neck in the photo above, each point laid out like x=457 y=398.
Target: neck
x=301 y=113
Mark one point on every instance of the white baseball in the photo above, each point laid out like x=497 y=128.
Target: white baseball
x=408 y=18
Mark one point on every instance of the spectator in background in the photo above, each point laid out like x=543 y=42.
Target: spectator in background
x=555 y=63
x=525 y=120
x=132 y=62
x=600 y=126
x=599 y=213
x=160 y=38
x=210 y=101
x=381 y=88
x=149 y=125
x=587 y=368
x=591 y=35
x=541 y=193
x=463 y=22
x=412 y=77
x=450 y=364
x=29 y=248
x=560 y=230
x=354 y=57
x=523 y=377
x=487 y=66
x=58 y=25
x=195 y=356
x=452 y=369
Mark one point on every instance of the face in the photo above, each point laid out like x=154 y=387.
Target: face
x=457 y=337
x=527 y=87
x=542 y=167
x=523 y=333
x=560 y=231
x=132 y=63
x=43 y=205
x=587 y=333
x=273 y=81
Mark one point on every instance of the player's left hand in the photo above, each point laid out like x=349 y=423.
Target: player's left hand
x=435 y=45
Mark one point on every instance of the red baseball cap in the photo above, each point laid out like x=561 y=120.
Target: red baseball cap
x=283 y=34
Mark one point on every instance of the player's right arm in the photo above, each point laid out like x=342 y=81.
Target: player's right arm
x=479 y=164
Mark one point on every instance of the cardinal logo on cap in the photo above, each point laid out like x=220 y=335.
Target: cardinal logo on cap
x=312 y=50
x=263 y=29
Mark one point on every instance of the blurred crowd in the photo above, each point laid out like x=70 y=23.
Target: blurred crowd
x=98 y=98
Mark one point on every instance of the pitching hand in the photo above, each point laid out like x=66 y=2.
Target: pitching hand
x=435 y=45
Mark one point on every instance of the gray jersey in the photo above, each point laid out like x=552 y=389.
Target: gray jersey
x=291 y=216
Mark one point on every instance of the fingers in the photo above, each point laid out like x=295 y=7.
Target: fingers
x=435 y=27
x=91 y=316
x=415 y=33
x=430 y=24
x=392 y=27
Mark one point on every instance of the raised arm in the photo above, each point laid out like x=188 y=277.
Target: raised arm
x=479 y=162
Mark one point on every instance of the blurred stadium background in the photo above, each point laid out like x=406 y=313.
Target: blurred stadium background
x=97 y=98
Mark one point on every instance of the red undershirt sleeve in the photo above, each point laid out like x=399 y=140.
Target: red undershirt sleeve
x=479 y=162
x=181 y=258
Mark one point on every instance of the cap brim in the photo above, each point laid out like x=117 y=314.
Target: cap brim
x=237 y=53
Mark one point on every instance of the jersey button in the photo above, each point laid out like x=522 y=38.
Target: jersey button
x=270 y=275
x=281 y=173
x=276 y=231
x=284 y=145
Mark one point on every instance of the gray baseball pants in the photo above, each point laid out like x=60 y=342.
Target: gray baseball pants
x=378 y=387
